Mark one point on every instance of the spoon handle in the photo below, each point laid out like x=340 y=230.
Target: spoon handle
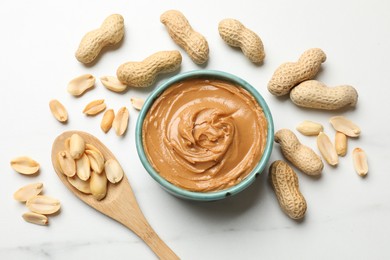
x=130 y=215
x=142 y=228
x=158 y=246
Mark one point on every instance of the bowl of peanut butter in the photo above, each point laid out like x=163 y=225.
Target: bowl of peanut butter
x=204 y=135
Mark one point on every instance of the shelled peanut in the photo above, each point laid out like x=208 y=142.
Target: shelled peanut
x=78 y=85
x=94 y=107
x=113 y=84
x=137 y=103
x=360 y=161
x=310 y=128
x=327 y=149
x=58 y=110
x=39 y=205
x=341 y=143
x=86 y=168
x=121 y=121
x=345 y=129
x=25 y=165
x=107 y=120
x=345 y=126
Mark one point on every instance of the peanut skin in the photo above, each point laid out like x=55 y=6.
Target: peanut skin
x=183 y=35
x=284 y=182
x=301 y=156
x=235 y=34
x=315 y=94
x=144 y=73
x=290 y=74
x=110 y=33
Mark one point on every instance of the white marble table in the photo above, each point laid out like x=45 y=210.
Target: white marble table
x=347 y=217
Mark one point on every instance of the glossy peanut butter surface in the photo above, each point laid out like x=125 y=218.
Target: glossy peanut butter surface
x=204 y=135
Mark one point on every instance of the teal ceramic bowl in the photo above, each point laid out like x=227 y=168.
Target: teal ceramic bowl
x=215 y=195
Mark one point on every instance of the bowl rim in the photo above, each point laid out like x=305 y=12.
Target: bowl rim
x=213 y=195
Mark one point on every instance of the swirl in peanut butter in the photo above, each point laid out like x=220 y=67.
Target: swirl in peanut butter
x=204 y=135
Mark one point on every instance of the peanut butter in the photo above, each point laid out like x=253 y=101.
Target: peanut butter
x=204 y=135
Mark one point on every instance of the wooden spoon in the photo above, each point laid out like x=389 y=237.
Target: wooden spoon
x=119 y=204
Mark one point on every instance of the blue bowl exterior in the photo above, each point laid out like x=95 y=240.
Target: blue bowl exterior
x=204 y=196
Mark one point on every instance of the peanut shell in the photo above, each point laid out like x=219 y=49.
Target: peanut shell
x=316 y=95
x=284 y=182
x=301 y=156
x=289 y=74
x=181 y=32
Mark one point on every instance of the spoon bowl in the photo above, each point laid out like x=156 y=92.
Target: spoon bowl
x=119 y=204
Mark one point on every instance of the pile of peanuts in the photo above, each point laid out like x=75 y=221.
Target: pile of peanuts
x=292 y=78
x=296 y=79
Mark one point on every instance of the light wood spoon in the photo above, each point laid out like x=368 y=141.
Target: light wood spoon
x=119 y=204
